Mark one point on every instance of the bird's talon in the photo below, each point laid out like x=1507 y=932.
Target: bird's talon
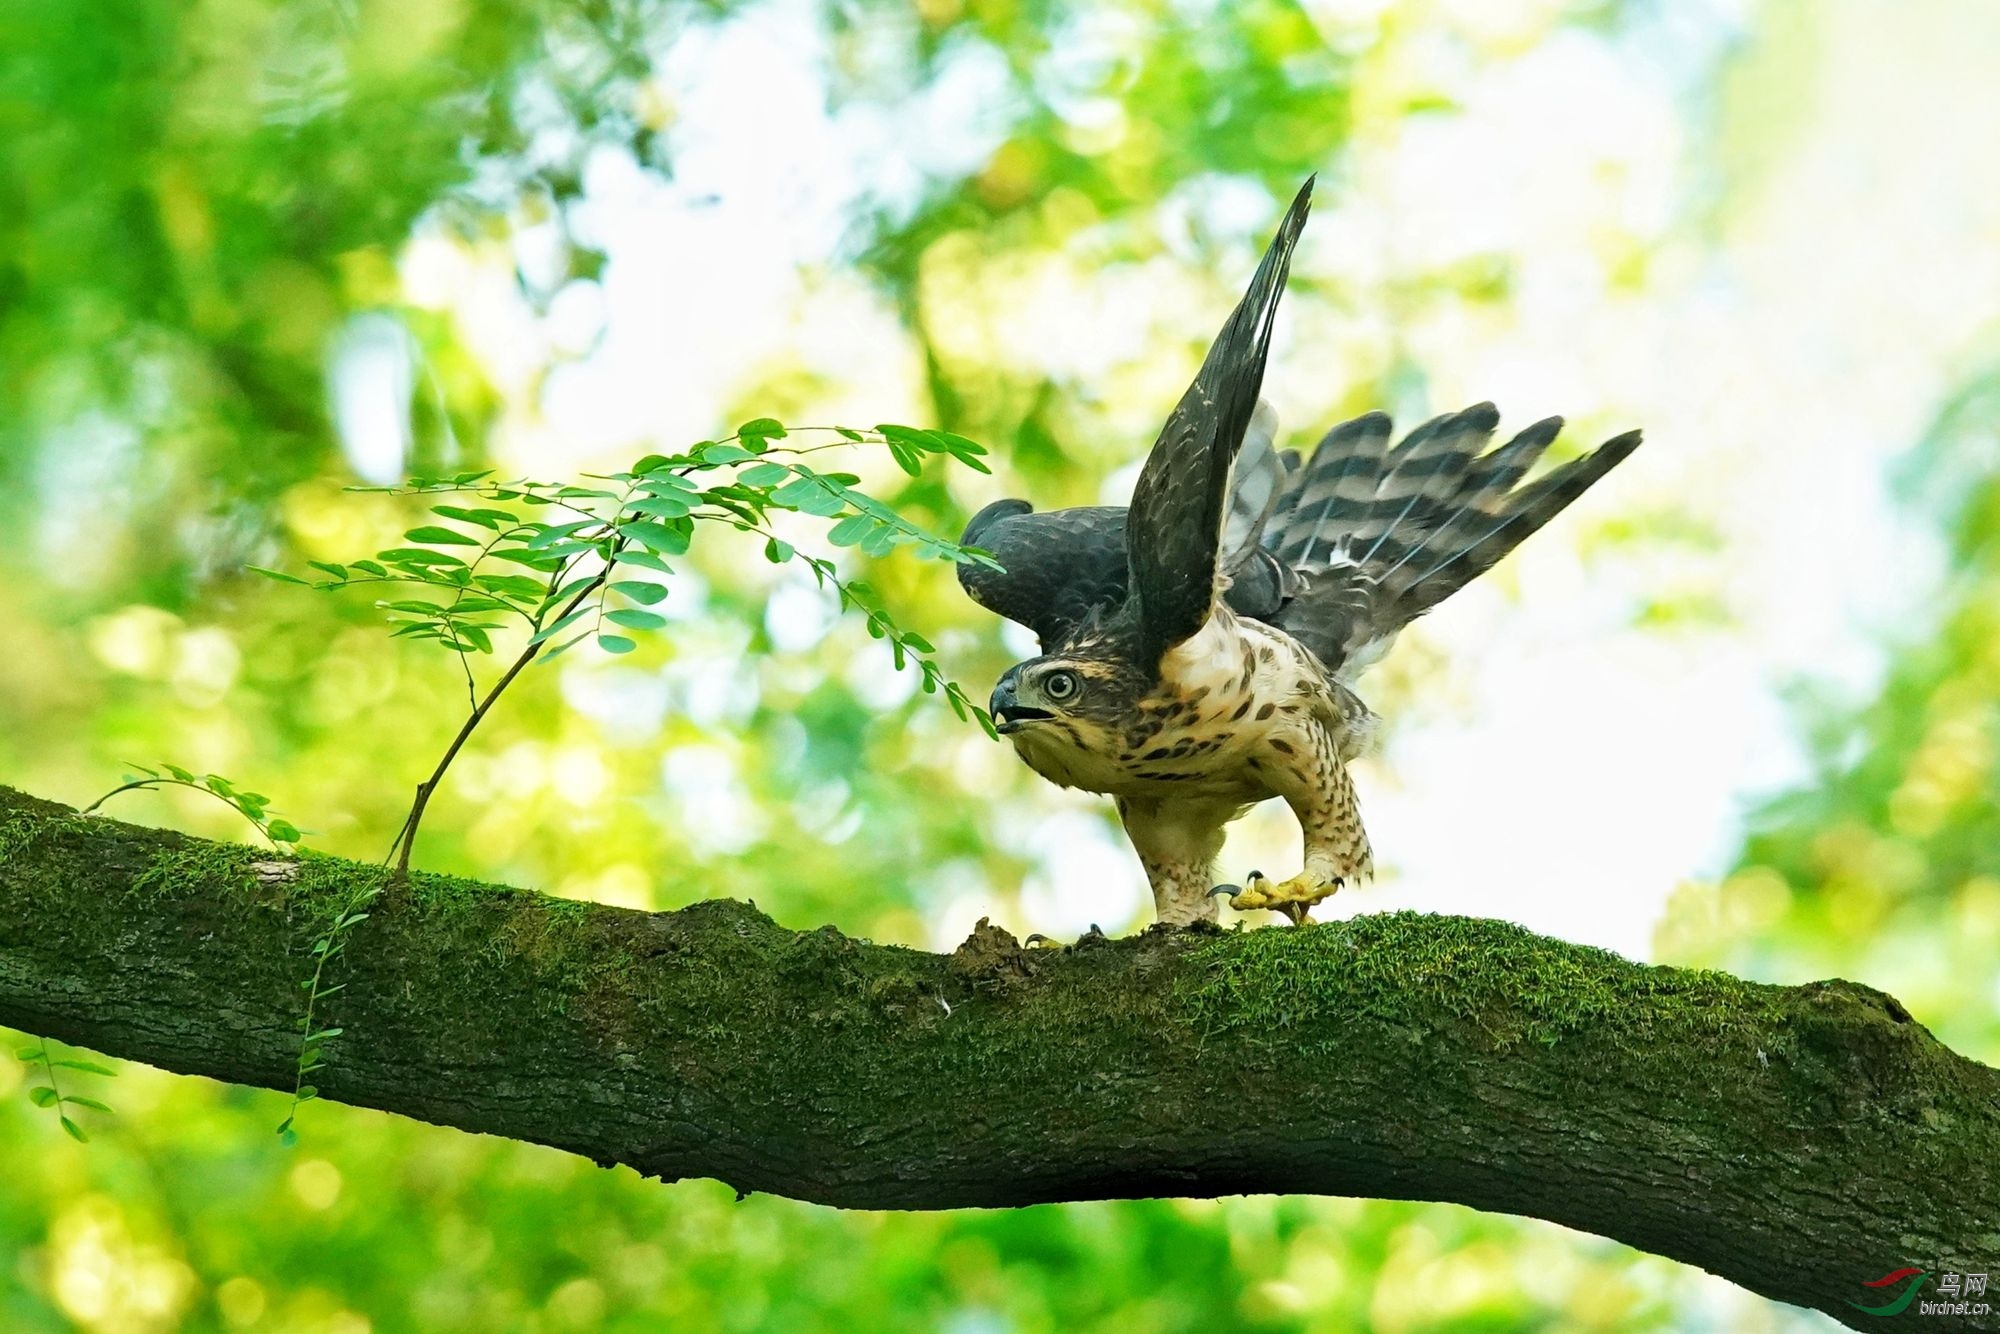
x=1293 y=898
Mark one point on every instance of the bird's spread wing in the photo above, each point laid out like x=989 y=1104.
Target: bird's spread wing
x=1175 y=529
x=1060 y=567
x=1056 y=569
x=1377 y=536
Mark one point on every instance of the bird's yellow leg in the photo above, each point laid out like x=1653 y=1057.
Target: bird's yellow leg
x=1336 y=847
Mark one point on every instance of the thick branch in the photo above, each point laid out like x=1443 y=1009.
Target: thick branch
x=1798 y=1140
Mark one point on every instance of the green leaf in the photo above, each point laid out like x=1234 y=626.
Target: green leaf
x=485 y=518
x=651 y=463
x=660 y=507
x=633 y=619
x=851 y=530
x=78 y=1100
x=660 y=483
x=533 y=560
x=42 y=1096
x=565 y=646
x=761 y=428
x=283 y=831
x=90 y=1067
x=723 y=454
x=519 y=587
x=440 y=536
x=286 y=1135
x=306 y=1093
x=28 y=1054
x=850 y=433
x=418 y=557
x=644 y=559
x=548 y=535
x=548 y=632
x=279 y=575
x=649 y=594
x=810 y=495
x=178 y=772
x=337 y=571
x=615 y=644
x=74 y=1130
x=778 y=552
x=764 y=474
x=668 y=540
x=564 y=592
x=912 y=437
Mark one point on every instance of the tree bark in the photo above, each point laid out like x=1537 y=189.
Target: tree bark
x=1799 y=1141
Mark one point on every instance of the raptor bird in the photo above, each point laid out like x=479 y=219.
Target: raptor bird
x=1200 y=647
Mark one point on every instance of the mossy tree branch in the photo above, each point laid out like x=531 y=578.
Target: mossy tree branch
x=1797 y=1140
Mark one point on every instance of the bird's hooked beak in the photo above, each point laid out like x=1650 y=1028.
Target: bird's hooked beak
x=1009 y=714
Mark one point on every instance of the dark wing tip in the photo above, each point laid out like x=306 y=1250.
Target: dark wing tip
x=1174 y=534
x=984 y=520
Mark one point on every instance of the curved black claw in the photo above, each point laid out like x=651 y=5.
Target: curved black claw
x=1233 y=890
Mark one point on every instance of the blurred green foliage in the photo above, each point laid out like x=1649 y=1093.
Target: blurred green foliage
x=1886 y=866
x=199 y=198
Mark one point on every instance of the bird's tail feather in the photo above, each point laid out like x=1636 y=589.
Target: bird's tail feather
x=1496 y=519
x=1378 y=536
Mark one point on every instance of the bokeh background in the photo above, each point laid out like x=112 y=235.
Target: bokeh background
x=1736 y=708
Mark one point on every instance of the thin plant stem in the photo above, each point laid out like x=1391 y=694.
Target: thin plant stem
x=406 y=837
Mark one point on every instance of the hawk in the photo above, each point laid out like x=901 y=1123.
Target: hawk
x=1199 y=648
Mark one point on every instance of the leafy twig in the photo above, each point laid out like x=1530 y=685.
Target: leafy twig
x=616 y=547
x=252 y=806
x=51 y=1094
x=330 y=944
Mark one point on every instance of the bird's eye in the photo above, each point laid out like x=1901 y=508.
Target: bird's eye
x=1060 y=686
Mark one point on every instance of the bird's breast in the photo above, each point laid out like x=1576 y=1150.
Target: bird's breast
x=1237 y=708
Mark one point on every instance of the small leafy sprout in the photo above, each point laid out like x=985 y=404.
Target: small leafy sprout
x=329 y=945
x=50 y=1095
x=252 y=806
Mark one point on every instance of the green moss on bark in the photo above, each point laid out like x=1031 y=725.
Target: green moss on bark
x=1492 y=981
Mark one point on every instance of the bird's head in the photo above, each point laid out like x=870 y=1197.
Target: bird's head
x=1081 y=697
